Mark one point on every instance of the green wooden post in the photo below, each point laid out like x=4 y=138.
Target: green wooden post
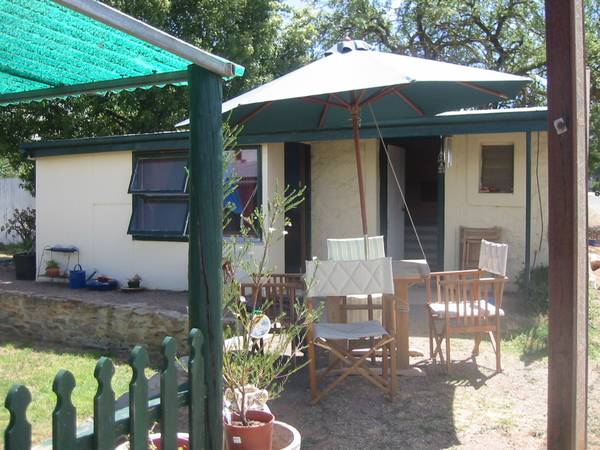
x=205 y=276
x=17 y=435
x=138 y=399
x=64 y=416
x=197 y=396
x=528 y=207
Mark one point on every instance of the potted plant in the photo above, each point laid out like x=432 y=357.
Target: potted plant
x=52 y=269
x=134 y=282
x=22 y=225
x=254 y=366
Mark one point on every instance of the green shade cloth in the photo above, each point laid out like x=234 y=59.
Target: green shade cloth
x=44 y=45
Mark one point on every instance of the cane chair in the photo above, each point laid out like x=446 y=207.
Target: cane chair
x=468 y=302
x=335 y=279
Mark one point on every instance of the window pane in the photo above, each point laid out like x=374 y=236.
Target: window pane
x=497 y=168
x=159 y=175
x=159 y=215
x=245 y=198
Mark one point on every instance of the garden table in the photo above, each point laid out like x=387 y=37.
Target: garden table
x=406 y=273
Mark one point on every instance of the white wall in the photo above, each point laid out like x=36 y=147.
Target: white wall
x=12 y=197
x=82 y=200
x=335 y=204
x=465 y=206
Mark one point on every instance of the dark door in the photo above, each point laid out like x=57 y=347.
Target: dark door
x=297 y=175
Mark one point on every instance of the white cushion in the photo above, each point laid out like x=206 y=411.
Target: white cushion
x=342 y=278
x=359 y=330
x=354 y=248
x=439 y=309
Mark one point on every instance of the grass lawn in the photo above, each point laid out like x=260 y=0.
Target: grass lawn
x=531 y=342
x=36 y=366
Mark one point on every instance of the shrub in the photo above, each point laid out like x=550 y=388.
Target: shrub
x=535 y=293
x=22 y=225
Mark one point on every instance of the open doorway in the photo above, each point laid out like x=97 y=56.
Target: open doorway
x=414 y=161
x=297 y=176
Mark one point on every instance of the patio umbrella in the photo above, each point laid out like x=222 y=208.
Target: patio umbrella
x=339 y=89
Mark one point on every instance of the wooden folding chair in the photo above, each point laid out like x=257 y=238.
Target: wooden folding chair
x=468 y=302
x=334 y=280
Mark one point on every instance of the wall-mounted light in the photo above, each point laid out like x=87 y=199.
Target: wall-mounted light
x=445 y=155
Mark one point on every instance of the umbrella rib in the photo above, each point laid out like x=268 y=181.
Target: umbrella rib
x=341 y=100
x=318 y=101
x=378 y=95
x=483 y=89
x=251 y=114
x=409 y=102
x=324 y=112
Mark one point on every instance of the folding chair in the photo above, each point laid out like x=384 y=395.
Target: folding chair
x=354 y=249
x=468 y=301
x=334 y=279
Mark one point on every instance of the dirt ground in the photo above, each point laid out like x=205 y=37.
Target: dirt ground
x=472 y=408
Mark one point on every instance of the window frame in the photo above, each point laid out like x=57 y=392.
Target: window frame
x=169 y=154
x=137 y=196
x=259 y=185
x=482 y=147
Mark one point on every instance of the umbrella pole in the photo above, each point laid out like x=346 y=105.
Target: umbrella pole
x=355 y=112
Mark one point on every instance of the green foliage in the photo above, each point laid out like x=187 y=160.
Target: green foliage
x=22 y=225
x=531 y=342
x=535 y=294
x=52 y=264
x=265 y=36
x=248 y=365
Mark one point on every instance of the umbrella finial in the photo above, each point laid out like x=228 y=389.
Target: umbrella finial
x=347 y=44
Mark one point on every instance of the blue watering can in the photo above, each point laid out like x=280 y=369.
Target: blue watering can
x=77 y=277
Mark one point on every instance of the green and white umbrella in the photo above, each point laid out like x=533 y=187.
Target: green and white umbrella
x=338 y=91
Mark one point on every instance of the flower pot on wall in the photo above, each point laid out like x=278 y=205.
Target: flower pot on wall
x=259 y=435
x=24 y=266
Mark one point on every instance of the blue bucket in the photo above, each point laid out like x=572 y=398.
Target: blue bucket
x=77 y=277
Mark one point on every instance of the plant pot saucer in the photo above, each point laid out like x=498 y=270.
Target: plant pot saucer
x=132 y=289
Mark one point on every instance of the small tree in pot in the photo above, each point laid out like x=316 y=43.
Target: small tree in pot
x=257 y=363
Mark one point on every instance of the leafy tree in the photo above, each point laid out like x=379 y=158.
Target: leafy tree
x=504 y=35
x=265 y=36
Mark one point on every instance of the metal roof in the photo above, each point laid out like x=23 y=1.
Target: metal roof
x=53 y=49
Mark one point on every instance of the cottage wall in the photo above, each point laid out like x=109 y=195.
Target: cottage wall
x=82 y=200
x=335 y=204
x=465 y=206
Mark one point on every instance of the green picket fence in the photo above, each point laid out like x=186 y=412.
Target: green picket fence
x=108 y=424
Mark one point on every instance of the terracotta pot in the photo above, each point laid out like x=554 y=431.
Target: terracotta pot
x=53 y=272
x=183 y=442
x=250 y=438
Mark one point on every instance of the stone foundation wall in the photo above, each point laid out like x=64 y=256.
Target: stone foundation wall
x=112 y=327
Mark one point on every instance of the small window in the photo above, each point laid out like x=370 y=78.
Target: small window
x=160 y=203
x=244 y=200
x=497 y=169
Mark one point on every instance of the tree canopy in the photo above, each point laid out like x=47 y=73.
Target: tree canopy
x=271 y=38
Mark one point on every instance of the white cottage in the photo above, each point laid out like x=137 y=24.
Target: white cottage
x=122 y=200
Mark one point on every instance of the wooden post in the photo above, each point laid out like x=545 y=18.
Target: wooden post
x=205 y=277
x=567 y=199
